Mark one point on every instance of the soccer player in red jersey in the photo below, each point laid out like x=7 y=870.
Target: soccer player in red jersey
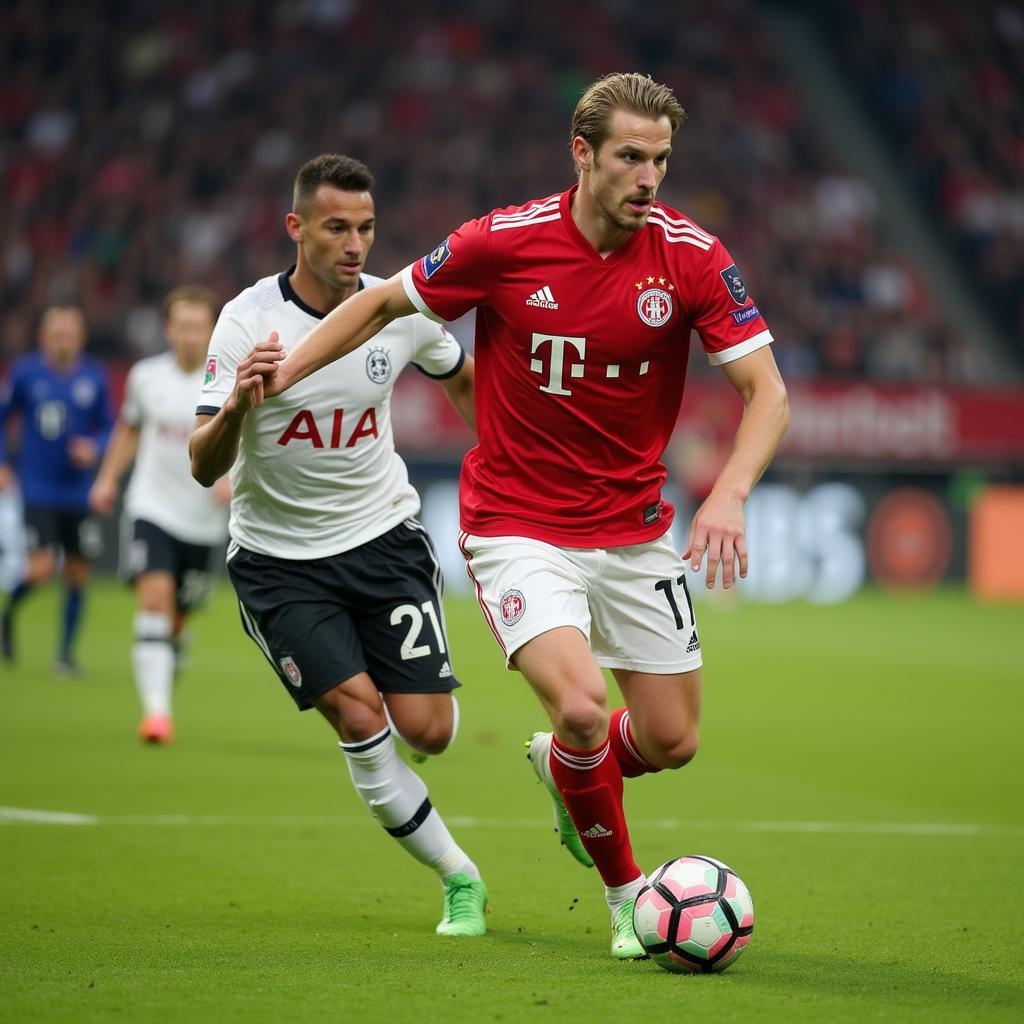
x=585 y=305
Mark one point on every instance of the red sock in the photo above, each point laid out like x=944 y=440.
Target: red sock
x=591 y=786
x=620 y=735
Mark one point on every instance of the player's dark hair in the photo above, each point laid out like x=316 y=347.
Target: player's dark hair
x=343 y=172
x=194 y=294
x=639 y=94
x=60 y=306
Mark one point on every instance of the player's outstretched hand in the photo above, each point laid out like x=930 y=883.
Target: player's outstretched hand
x=717 y=528
x=253 y=372
x=103 y=497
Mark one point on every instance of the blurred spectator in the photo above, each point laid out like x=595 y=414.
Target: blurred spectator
x=948 y=81
x=170 y=159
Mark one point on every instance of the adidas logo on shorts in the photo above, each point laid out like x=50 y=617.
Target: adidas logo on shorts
x=445 y=672
x=694 y=644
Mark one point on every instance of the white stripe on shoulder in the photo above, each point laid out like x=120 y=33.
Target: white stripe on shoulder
x=676 y=234
x=682 y=222
x=414 y=296
x=527 y=223
x=744 y=348
x=673 y=229
x=539 y=206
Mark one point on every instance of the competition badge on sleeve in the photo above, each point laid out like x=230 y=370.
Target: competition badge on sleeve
x=211 y=371
x=735 y=284
x=433 y=262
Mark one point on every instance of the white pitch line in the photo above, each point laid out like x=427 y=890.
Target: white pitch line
x=34 y=816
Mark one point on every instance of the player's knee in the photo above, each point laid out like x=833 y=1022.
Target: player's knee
x=583 y=721
x=430 y=737
x=427 y=723
x=676 y=750
x=352 y=719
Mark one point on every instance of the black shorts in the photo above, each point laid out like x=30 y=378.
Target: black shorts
x=76 y=532
x=151 y=549
x=375 y=609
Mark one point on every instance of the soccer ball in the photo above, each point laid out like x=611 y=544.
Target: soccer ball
x=694 y=914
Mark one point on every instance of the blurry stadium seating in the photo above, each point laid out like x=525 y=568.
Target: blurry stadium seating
x=171 y=160
x=946 y=81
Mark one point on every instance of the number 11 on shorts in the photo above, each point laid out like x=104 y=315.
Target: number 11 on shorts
x=665 y=586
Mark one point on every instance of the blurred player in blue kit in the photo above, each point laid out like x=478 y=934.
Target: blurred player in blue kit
x=60 y=397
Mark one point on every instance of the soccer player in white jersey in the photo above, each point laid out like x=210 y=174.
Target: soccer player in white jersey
x=338 y=584
x=173 y=527
x=585 y=305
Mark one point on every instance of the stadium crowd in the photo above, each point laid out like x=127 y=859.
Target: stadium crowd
x=948 y=82
x=170 y=159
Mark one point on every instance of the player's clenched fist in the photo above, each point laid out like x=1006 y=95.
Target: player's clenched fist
x=253 y=371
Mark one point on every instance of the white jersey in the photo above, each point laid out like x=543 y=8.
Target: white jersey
x=160 y=400
x=317 y=472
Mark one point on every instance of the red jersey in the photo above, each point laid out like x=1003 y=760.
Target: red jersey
x=580 y=364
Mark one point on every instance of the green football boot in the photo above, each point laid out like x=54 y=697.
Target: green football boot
x=625 y=944
x=538 y=750
x=465 y=902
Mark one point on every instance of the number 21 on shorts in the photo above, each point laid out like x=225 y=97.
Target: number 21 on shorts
x=411 y=646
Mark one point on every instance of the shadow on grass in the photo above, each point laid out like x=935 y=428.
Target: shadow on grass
x=889 y=981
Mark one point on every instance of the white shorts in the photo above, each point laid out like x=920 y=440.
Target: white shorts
x=631 y=603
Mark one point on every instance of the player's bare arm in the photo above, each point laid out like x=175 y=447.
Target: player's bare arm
x=120 y=453
x=345 y=328
x=214 y=442
x=461 y=392
x=717 y=528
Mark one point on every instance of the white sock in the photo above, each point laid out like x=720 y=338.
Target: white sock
x=397 y=797
x=616 y=895
x=153 y=662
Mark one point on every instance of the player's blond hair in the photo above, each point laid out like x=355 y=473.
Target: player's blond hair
x=639 y=94
x=194 y=294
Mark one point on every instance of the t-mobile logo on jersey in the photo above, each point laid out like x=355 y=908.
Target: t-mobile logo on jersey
x=556 y=365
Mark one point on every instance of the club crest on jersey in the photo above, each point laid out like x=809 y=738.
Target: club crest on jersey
x=735 y=284
x=654 y=307
x=211 y=371
x=513 y=604
x=378 y=365
x=436 y=260
x=291 y=671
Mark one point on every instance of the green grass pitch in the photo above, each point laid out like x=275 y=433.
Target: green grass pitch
x=861 y=769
